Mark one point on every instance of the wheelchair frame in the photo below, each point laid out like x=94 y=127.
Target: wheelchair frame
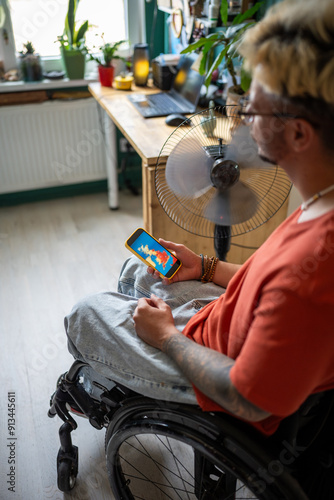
x=227 y=452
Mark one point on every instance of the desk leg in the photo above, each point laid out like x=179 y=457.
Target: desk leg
x=111 y=161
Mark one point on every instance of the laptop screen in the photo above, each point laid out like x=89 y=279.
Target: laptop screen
x=182 y=98
x=187 y=81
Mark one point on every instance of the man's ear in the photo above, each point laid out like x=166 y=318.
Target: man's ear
x=300 y=134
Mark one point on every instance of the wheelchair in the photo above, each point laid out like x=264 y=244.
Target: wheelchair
x=176 y=451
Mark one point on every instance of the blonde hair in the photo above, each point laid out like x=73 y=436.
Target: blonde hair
x=291 y=51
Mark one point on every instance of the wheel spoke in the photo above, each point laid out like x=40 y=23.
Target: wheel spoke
x=168 y=488
x=165 y=455
x=161 y=467
x=176 y=461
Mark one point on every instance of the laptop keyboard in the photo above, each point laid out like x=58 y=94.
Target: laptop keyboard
x=163 y=104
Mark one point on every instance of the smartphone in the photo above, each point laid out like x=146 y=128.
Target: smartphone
x=149 y=250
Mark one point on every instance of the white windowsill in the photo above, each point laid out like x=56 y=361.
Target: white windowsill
x=21 y=86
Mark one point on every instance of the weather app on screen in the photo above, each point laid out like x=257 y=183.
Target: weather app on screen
x=151 y=251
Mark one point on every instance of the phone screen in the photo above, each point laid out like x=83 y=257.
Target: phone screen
x=154 y=254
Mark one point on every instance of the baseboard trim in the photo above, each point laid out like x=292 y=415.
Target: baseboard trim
x=17 y=198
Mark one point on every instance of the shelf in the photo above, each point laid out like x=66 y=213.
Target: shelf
x=22 y=86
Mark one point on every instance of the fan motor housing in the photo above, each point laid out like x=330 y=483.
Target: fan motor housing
x=224 y=174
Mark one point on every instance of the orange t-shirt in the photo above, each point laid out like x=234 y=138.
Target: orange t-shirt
x=276 y=320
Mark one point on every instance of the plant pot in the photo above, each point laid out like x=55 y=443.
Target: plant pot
x=74 y=63
x=31 y=68
x=106 y=75
x=234 y=96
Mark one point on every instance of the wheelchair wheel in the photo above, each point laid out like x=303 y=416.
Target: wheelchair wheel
x=157 y=450
x=67 y=467
x=66 y=476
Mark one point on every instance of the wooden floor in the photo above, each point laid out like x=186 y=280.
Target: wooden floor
x=51 y=254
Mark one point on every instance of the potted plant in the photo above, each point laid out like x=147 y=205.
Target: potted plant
x=72 y=43
x=104 y=60
x=30 y=64
x=225 y=42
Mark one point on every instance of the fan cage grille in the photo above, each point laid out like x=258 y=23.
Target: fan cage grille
x=271 y=184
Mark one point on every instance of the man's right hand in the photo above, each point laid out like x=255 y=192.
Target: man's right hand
x=191 y=268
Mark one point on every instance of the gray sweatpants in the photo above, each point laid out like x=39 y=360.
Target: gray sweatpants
x=101 y=332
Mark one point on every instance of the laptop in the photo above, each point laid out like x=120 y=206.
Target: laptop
x=182 y=98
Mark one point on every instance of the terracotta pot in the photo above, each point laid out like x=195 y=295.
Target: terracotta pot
x=106 y=75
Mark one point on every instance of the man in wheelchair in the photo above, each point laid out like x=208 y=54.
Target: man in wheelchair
x=252 y=341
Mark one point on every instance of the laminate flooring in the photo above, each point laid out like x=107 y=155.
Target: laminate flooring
x=52 y=254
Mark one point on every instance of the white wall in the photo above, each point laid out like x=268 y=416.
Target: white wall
x=7 y=49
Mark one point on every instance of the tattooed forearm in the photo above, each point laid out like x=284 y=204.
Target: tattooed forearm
x=209 y=371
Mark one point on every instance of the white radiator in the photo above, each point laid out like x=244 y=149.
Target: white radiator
x=50 y=144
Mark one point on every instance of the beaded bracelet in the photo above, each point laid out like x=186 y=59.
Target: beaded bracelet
x=209 y=266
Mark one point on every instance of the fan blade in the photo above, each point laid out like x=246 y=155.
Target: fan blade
x=243 y=150
x=235 y=205
x=188 y=168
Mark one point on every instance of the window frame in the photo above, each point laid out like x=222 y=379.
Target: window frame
x=135 y=29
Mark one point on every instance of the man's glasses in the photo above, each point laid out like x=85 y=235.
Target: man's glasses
x=248 y=117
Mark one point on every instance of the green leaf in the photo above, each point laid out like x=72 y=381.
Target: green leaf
x=206 y=56
x=224 y=12
x=237 y=39
x=202 y=42
x=115 y=46
x=214 y=66
x=80 y=35
x=246 y=15
x=2 y=16
x=203 y=63
x=70 y=21
x=233 y=31
x=108 y=53
x=245 y=79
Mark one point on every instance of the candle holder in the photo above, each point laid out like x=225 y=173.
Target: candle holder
x=141 y=64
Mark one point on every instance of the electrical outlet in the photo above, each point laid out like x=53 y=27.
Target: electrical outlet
x=123 y=145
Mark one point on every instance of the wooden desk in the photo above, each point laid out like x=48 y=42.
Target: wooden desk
x=147 y=137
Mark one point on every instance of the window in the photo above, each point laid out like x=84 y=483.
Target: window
x=41 y=21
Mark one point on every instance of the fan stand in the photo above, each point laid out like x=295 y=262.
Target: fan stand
x=222 y=241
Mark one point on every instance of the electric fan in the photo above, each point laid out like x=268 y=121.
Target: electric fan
x=209 y=175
